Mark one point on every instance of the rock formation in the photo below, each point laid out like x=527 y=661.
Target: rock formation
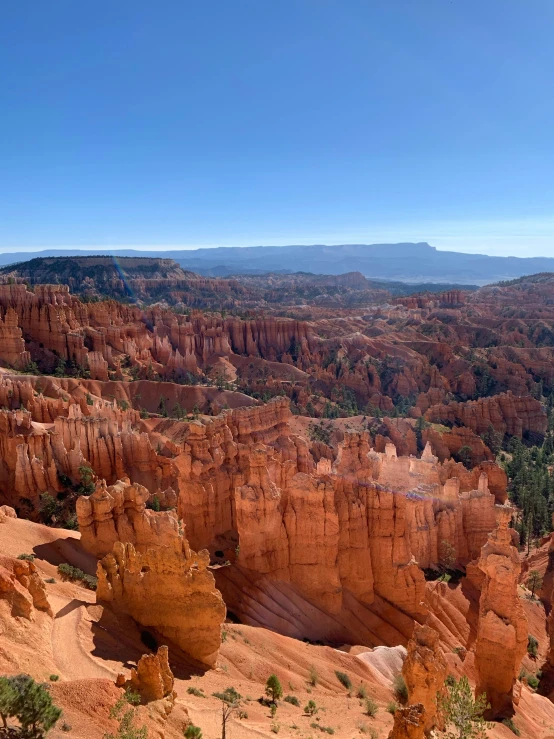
x=425 y=671
x=502 y=628
x=409 y=722
x=152 y=678
x=22 y=587
x=118 y=513
x=168 y=588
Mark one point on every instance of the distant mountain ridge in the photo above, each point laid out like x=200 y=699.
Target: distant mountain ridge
x=403 y=262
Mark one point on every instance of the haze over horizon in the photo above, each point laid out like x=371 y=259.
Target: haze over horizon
x=300 y=122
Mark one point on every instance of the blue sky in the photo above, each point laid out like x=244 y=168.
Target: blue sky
x=237 y=122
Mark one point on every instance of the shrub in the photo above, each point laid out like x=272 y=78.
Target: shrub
x=273 y=709
x=126 y=718
x=324 y=729
x=66 y=727
x=400 y=689
x=51 y=580
x=68 y=572
x=361 y=693
x=510 y=724
x=54 y=678
x=293 y=700
x=532 y=646
x=391 y=707
x=229 y=695
x=30 y=703
x=193 y=732
x=343 y=678
x=310 y=709
x=533 y=681
x=27 y=557
x=371 y=707
x=314 y=677
x=273 y=688
x=196 y=691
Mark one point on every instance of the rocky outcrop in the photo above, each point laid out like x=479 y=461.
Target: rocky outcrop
x=22 y=587
x=425 y=671
x=118 y=513
x=6 y=512
x=12 y=345
x=409 y=722
x=152 y=678
x=364 y=524
x=502 y=628
x=506 y=413
x=168 y=588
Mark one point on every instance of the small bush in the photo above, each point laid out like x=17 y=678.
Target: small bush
x=293 y=700
x=51 y=580
x=66 y=727
x=27 y=557
x=391 y=707
x=273 y=709
x=532 y=646
x=371 y=707
x=196 y=691
x=533 y=681
x=275 y=728
x=68 y=572
x=314 y=677
x=324 y=729
x=400 y=689
x=450 y=680
x=193 y=732
x=310 y=709
x=361 y=693
x=132 y=698
x=510 y=724
x=344 y=679
x=54 y=678
x=229 y=695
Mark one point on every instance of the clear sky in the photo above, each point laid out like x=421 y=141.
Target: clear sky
x=237 y=122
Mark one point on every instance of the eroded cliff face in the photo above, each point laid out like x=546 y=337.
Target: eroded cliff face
x=118 y=513
x=502 y=627
x=168 y=588
x=366 y=524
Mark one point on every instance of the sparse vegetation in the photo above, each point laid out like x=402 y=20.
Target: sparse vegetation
x=310 y=709
x=27 y=557
x=344 y=679
x=314 y=677
x=400 y=689
x=68 y=572
x=126 y=718
x=510 y=724
x=371 y=707
x=193 y=732
x=198 y=692
x=532 y=646
x=293 y=700
x=391 y=707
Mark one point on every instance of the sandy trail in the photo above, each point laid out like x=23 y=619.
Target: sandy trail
x=72 y=659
